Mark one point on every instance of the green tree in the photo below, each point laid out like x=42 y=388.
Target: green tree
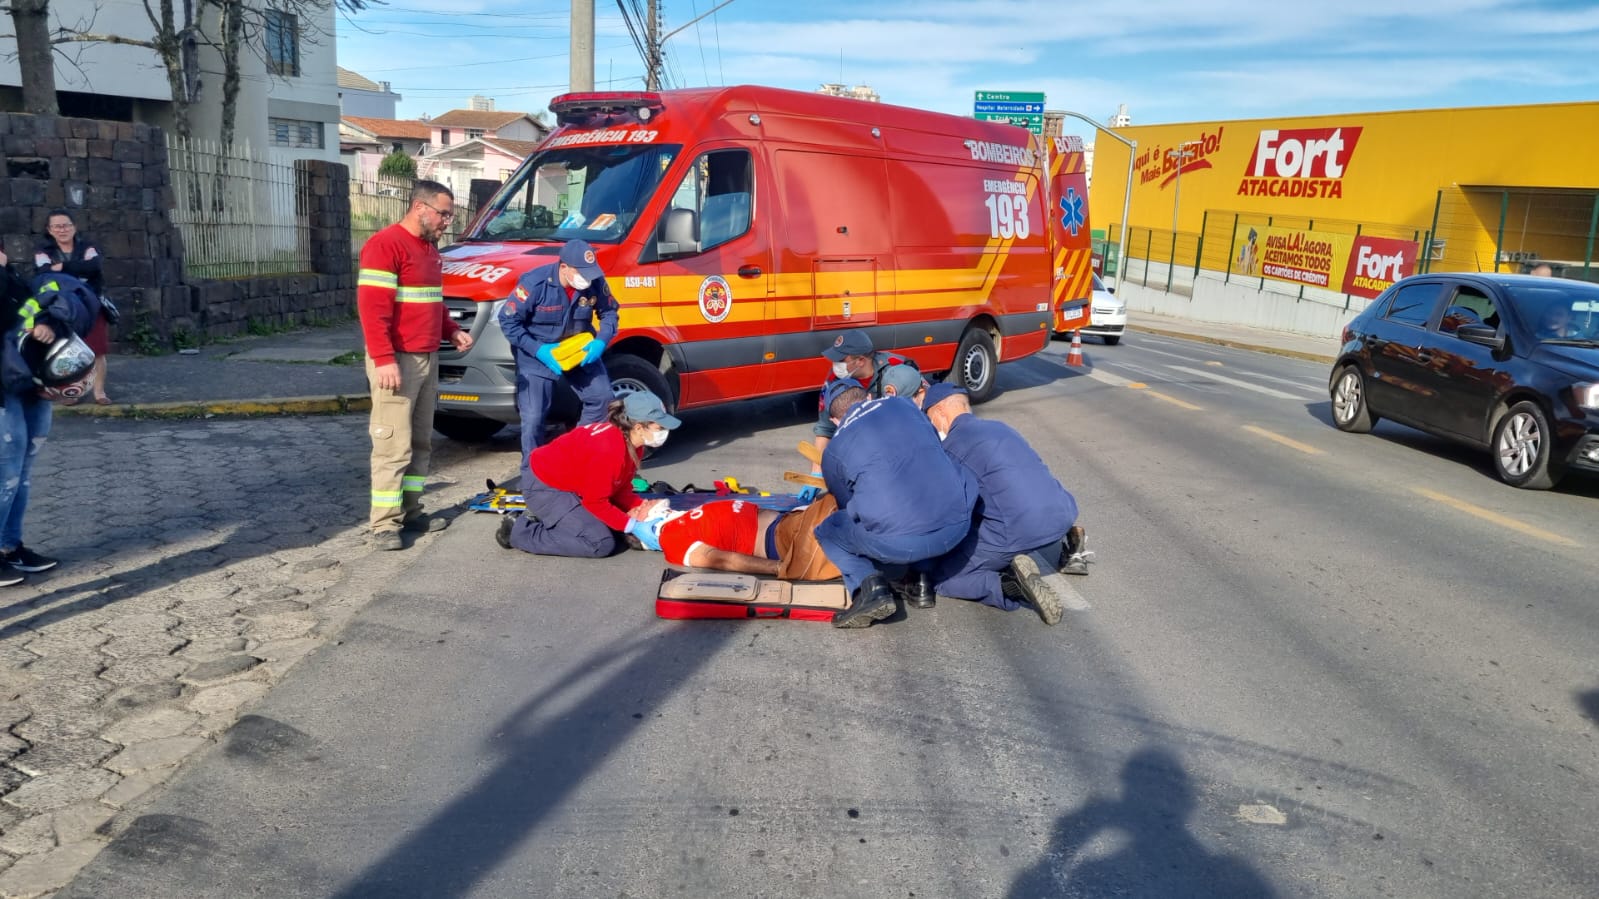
x=399 y=166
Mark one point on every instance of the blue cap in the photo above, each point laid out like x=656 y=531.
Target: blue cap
x=904 y=378
x=833 y=389
x=939 y=392
x=849 y=343
x=641 y=405
x=579 y=255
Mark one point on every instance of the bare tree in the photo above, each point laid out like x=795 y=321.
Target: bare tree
x=31 y=19
x=176 y=42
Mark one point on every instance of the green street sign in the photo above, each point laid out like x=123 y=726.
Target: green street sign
x=1033 y=123
x=1010 y=96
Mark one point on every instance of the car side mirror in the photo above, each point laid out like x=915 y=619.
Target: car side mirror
x=1481 y=334
x=679 y=234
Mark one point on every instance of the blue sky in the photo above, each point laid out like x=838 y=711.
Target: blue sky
x=1168 y=60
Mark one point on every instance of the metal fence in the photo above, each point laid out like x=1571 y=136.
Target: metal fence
x=240 y=215
x=375 y=205
x=1494 y=229
x=1174 y=261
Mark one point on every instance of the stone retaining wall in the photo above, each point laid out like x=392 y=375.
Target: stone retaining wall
x=113 y=178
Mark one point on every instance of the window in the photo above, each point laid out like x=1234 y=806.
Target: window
x=1413 y=304
x=594 y=193
x=295 y=133
x=283 y=43
x=444 y=137
x=719 y=190
x=474 y=133
x=1469 y=307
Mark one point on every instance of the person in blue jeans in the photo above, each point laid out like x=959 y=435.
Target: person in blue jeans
x=24 y=425
x=901 y=501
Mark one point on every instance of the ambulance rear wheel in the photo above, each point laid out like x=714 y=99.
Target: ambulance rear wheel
x=976 y=365
x=630 y=374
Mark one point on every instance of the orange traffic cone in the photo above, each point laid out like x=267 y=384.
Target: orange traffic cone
x=1075 y=357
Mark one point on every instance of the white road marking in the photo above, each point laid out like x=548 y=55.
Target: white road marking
x=1152 y=375
x=1316 y=387
x=1268 y=391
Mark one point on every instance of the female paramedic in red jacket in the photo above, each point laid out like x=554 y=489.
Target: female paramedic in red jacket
x=581 y=497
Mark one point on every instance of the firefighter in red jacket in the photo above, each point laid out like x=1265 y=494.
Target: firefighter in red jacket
x=401 y=299
x=581 y=497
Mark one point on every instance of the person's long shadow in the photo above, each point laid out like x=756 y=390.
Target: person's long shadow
x=547 y=753
x=1158 y=857
x=1589 y=703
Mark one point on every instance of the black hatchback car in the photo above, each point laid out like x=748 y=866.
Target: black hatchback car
x=1505 y=362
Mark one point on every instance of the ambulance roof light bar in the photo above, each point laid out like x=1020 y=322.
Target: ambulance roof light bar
x=611 y=108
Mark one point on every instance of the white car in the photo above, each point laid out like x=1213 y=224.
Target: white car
x=1108 y=318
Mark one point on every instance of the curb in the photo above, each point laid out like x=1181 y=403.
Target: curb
x=1237 y=344
x=297 y=405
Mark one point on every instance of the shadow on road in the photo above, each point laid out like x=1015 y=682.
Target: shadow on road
x=1589 y=703
x=1156 y=856
x=549 y=747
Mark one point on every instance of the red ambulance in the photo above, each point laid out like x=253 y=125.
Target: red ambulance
x=743 y=228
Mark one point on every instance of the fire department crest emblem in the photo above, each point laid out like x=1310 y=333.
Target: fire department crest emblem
x=716 y=298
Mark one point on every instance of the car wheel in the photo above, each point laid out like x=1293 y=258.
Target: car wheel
x=467 y=429
x=1521 y=448
x=1112 y=339
x=630 y=374
x=976 y=365
x=1350 y=412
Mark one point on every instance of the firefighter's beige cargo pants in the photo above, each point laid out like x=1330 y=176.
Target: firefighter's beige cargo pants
x=402 y=438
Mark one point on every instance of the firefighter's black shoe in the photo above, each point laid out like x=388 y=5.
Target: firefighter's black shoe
x=387 y=540
x=25 y=559
x=873 y=601
x=1040 y=593
x=917 y=590
x=423 y=523
x=502 y=536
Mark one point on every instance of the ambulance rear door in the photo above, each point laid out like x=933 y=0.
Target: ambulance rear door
x=1072 y=286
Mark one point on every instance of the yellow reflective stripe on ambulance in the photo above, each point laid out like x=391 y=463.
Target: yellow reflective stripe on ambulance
x=376 y=277
x=419 y=295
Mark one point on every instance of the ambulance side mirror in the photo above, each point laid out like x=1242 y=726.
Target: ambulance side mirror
x=679 y=234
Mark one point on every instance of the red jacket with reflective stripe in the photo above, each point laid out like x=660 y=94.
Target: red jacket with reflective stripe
x=399 y=295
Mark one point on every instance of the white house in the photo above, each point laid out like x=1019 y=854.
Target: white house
x=288 y=102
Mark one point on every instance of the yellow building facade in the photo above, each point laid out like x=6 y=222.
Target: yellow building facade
x=1477 y=189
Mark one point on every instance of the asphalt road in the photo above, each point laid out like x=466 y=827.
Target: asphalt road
x=1313 y=664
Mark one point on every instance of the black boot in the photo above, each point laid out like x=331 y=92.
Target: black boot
x=873 y=601
x=503 y=535
x=917 y=590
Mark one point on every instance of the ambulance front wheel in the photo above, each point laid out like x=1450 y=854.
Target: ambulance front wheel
x=630 y=374
x=976 y=365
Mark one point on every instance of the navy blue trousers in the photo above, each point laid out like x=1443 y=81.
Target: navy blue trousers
x=971 y=570
x=859 y=553
x=556 y=524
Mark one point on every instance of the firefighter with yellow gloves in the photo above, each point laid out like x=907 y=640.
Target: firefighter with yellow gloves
x=549 y=320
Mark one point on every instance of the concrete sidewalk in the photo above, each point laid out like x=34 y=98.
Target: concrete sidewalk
x=1281 y=343
x=320 y=370
x=315 y=370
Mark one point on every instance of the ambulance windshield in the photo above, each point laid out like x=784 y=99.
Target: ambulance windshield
x=592 y=193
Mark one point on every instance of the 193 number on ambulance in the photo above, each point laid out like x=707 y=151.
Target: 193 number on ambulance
x=1007 y=216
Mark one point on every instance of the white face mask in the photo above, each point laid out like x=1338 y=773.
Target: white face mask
x=656 y=438
x=579 y=282
x=840 y=370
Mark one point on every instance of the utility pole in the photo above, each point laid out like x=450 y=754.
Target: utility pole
x=653 y=44
x=581 y=77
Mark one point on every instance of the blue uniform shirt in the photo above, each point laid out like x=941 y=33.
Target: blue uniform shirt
x=887 y=471
x=1021 y=505
x=540 y=312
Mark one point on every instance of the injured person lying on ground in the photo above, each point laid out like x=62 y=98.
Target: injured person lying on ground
x=737 y=535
